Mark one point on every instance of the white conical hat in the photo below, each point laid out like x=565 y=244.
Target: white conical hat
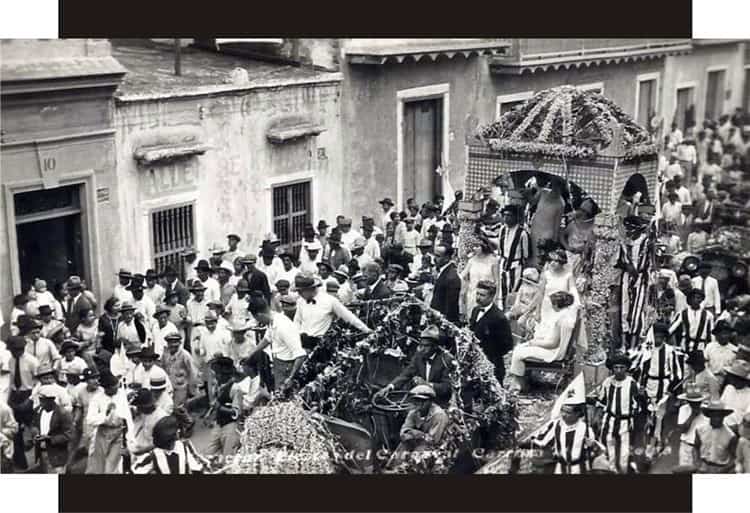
x=574 y=393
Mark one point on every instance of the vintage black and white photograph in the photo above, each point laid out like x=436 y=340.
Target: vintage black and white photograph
x=375 y=256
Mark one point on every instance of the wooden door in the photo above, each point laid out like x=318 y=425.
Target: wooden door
x=715 y=94
x=682 y=115
x=423 y=135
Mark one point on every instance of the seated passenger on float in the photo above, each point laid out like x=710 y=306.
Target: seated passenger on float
x=550 y=341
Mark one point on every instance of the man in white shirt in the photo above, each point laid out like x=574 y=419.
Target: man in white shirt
x=360 y=254
x=153 y=290
x=309 y=256
x=387 y=204
x=233 y=252
x=348 y=235
x=121 y=291
x=316 y=311
x=107 y=417
x=371 y=245
x=213 y=290
x=270 y=264
x=683 y=194
x=161 y=328
x=145 y=307
x=675 y=137
x=710 y=288
x=283 y=337
x=671 y=211
x=673 y=169
x=290 y=271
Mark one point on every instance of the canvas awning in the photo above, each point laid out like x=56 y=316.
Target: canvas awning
x=381 y=51
x=518 y=64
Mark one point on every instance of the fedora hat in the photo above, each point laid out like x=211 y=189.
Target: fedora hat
x=107 y=379
x=288 y=300
x=173 y=336
x=716 y=408
x=222 y=363
x=127 y=306
x=197 y=286
x=15 y=342
x=386 y=201
x=424 y=243
x=226 y=266
x=313 y=246
x=161 y=309
x=267 y=250
x=431 y=333
x=302 y=282
x=322 y=224
x=151 y=274
x=693 y=394
x=240 y=327
x=74 y=283
x=47 y=392
x=147 y=353
x=739 y=368
x=342 y=271
x=332 y=285
x=69 y=344
x=124 y=273
x=422 y=392
x=45 y=309
x=326 y=264
x=234 y=236
x=250 y=258
x=695 y=292
x=203 y=265
x=531 y=275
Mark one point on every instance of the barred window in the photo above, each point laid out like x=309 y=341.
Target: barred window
x=173 y=231
x=292 y=209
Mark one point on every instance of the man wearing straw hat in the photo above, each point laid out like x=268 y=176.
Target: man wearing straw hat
x=715 y=443
x=736 y=394
x=689 y=418
x=162 y=328
x=121 y=291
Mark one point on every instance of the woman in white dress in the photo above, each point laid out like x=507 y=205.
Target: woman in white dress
x=556 y=277
x=484 y=265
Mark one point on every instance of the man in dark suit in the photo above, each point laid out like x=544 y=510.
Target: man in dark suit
x=173 y=283
x=491 y=327
x=256 y=279
x=75 y=303
x=52 y=430
x=447 y=286
x=376 y=287
x=431 y=365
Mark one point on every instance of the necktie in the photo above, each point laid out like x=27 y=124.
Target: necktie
x=17 y=378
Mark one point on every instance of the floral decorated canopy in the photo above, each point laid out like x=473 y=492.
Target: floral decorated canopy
x=567 y=122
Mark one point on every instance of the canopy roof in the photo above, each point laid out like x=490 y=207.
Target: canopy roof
x=570 y=122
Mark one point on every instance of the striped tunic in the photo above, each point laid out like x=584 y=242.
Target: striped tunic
x=514 y=251
x=572 y=445
x=635 y=288
x=658 y=366
x=619 y=399
x=183 y=459
x=694 y=328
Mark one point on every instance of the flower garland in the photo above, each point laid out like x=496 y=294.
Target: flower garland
x=566 y=122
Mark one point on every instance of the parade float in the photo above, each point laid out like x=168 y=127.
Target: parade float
x=336 y=425
x=593 y=148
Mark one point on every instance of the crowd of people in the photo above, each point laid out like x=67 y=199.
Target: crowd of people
x=113 y=385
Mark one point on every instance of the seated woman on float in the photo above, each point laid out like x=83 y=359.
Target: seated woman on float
x=547 y=345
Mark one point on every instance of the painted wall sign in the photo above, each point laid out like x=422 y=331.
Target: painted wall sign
x=164 y=180
x=49 y=167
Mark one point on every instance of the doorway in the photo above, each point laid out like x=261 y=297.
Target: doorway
x=684 y=114
x=49 y=235
x=422 y=149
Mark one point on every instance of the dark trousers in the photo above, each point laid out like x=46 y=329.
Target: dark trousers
x=23 y=411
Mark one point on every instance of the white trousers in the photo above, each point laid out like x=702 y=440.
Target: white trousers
x=523 y=351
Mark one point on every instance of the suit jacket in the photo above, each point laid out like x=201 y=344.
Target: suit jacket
x=60 y=433
x=257 y=280
x=183 y=294
x=493 y=332
x=439 y=374
x=381 y=291
x=73 y=313
x=110 y=332
x=446 y=293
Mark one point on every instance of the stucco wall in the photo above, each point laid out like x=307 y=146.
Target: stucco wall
x=693 y=69
x=369 y=105
x=231 y=179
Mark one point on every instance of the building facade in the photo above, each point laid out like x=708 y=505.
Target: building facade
x=58 y=162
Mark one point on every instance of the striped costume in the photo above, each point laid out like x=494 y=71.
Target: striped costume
x=514 y=252
x=572 y=445
x=183 y=459
x=620 y=402
x=693 y=329
x=634 y=289
x=658 y=369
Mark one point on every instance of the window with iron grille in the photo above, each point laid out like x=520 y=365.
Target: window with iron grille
x=172 y=231
x=291 y=211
